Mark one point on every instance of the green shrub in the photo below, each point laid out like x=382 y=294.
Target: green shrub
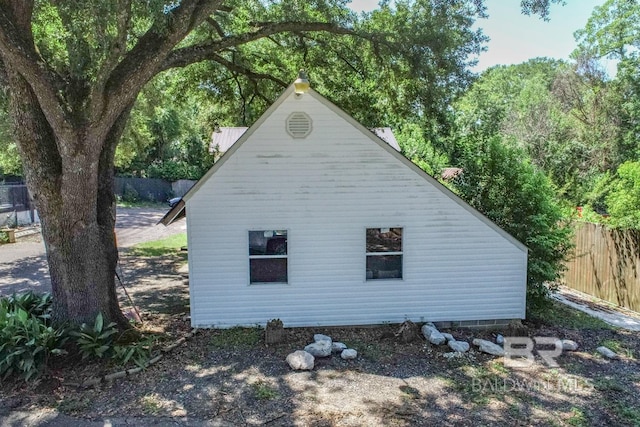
x=130 y=194
x=503 y=185
x=95 y=340
x=27 y=341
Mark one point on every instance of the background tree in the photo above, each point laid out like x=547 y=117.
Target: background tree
x=167 y=135
x=613 y=32
x=623 y=198
x=9 y=157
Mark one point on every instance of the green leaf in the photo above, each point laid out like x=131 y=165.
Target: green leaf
x=97 y=326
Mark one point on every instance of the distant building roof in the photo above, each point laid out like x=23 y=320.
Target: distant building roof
x=224 y=137
x=450 y=173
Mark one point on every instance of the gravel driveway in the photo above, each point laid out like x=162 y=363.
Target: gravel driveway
x=23 y=265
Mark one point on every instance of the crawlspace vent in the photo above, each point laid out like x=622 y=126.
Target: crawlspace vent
x=298 y=125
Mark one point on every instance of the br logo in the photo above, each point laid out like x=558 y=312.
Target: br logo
x=519 y=351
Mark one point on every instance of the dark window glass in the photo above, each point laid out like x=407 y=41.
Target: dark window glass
x=268 y=256
x=269 y=242
x=384 y=253
x=268 y=270
x=384 y=240
x=384 y=267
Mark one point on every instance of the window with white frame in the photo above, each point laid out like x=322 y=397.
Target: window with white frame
x=268 y=256
x=384 y=253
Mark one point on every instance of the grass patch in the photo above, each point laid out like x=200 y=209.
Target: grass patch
x=141 y=204
x=166 y=246
x=617 y=347
x=608 y=384
x=264 y=391
x=630 y=414
x=557 y=314
x=151 y=404
x=482 y=383
x=371 y=351
x=73 y=405
x=577 y=418
x=236 y=338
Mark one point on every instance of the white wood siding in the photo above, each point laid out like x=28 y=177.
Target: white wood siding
x=326 y=190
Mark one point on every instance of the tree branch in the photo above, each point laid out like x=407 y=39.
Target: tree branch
x=216 y=26
x=118 y=48
x=142 y=62
x=196 y=53
x=18 y=51
x=239 y=69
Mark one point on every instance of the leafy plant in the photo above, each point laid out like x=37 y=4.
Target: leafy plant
x=138 y=352
x=38 y=305
x=26 y=341
x=95 y=340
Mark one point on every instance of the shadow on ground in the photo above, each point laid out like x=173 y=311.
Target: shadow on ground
x=26 y=274
x=216 y=379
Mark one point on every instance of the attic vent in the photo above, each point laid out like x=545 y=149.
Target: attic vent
x=298 y=125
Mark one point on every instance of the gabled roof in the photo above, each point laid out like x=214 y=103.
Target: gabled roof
x=224 y=137
x=177 y=210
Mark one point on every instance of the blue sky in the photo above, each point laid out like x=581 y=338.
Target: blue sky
x=516 y=38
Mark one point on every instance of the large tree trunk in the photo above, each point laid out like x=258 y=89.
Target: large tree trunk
x=76 y=205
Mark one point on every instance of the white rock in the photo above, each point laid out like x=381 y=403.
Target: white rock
x=321 y=337
x=489 y=347
x=437 y=338
x=499 y=339
x=338 y=347
x=448 y=337
x=349 y=354
x=459 y=346
x=300 y=361
x=452 y=355
x=433 y=335
x=609 y=354
x=319 y=349
x=569 y=345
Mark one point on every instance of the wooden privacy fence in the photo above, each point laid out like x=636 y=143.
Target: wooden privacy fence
x=606 y=264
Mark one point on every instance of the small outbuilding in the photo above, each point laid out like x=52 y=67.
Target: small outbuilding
x=314 y=219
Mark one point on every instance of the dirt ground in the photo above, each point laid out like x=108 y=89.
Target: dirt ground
x=232 y=378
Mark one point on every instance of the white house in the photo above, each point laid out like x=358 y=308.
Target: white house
x=313 y=219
